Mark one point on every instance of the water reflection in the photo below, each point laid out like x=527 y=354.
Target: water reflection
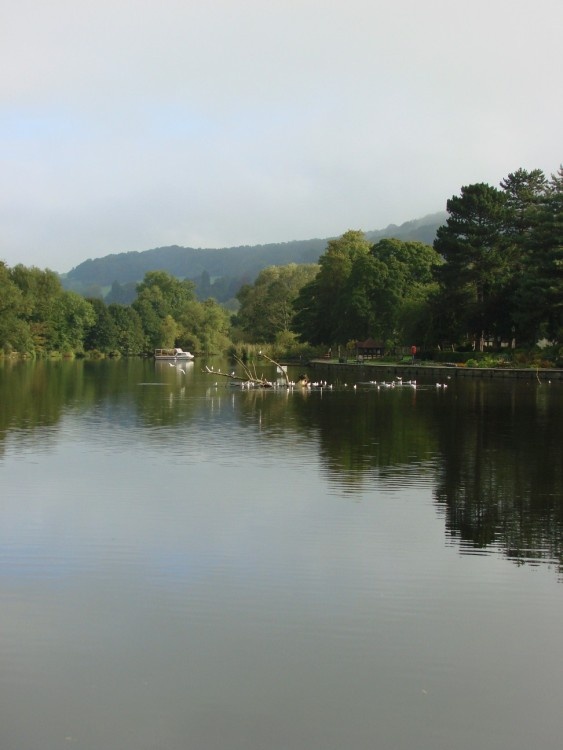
x=184 y=564
x=491 y=452
x=501 y=478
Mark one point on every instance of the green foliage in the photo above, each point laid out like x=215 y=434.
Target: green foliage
x=323 y=312
x=400 y=304
x=219 y=273
x=539 y=292
x=495 y=273
x=101 y=334
x=478 y=262
x=37 y=313
x=162 y=300
x=503 y=275
x=71 y=317
x=266 y=307
x=13 y=331
x=361 y=291
x=129 y=334
x=204 y=327
x=287 y=344
x=39 y=317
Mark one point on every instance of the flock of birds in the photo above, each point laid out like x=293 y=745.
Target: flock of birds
x=304 y=382
x=323 y=384
x=399 y=382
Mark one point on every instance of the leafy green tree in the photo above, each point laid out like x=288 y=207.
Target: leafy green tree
x=151 y=315
x=204 y=327
x=168 y=293
x=14 y=333
x=169 y=331
x=322 y=305
x=39 y=288
x=71 y=317
x=363 y=292
x=161 y=298
x=101 y=334
x=266 y=307
x=40 y=293
x=405 y=285
x=129 y=335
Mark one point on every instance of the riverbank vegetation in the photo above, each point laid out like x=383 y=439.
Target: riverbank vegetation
x=490 y=286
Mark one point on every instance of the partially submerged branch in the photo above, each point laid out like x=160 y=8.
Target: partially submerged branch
x=277 y=364
x=250 y=377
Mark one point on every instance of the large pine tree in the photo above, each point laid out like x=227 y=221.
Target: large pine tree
x=477 y=264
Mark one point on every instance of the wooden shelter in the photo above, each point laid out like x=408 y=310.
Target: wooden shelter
x=369 y=349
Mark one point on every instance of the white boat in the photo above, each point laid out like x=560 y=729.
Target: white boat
x=174 y=355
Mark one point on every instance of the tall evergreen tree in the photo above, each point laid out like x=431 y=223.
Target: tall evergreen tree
x=523 y=191
x=540 y=291
x=477 y=265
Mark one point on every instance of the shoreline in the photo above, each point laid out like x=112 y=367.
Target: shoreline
x=416 y=369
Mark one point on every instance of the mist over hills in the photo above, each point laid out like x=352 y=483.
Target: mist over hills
x=221 y=272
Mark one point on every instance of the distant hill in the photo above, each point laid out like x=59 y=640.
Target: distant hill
x=233 y=265
x=419 y=230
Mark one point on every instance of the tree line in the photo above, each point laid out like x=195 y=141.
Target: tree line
x=493 y=274
x=38 y=317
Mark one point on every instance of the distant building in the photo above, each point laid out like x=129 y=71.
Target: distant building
x=369 y=349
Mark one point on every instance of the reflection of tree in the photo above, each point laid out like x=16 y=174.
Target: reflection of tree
x=36 y=394
x=501 y=480
x=33 y=394
x=499 y=474
x=159 y=394
x=363 y=432
x=357 y=436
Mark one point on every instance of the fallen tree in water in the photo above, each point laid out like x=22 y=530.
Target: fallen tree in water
x=250 y=377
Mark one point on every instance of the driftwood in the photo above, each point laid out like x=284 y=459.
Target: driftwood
x=280 y=368
x=250 y=377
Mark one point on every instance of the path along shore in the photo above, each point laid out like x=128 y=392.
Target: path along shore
x=363 y=369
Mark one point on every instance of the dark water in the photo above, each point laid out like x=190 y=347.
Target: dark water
x=188 y=565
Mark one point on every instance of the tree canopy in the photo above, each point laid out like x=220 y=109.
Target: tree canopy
x=266 y=307
x=494 y=273
x=38 y=317
x=365 y=291
x=503 y=275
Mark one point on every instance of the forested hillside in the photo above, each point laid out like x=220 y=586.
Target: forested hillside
x=216 y=272
x=491 y=280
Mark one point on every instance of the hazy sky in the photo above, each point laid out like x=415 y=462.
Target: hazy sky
x=132 y=124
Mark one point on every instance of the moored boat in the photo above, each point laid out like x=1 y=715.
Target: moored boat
x=175 y=355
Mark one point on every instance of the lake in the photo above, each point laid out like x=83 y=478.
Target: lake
x=185 y=564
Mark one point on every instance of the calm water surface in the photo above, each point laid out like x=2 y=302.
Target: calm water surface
x=187 y=565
